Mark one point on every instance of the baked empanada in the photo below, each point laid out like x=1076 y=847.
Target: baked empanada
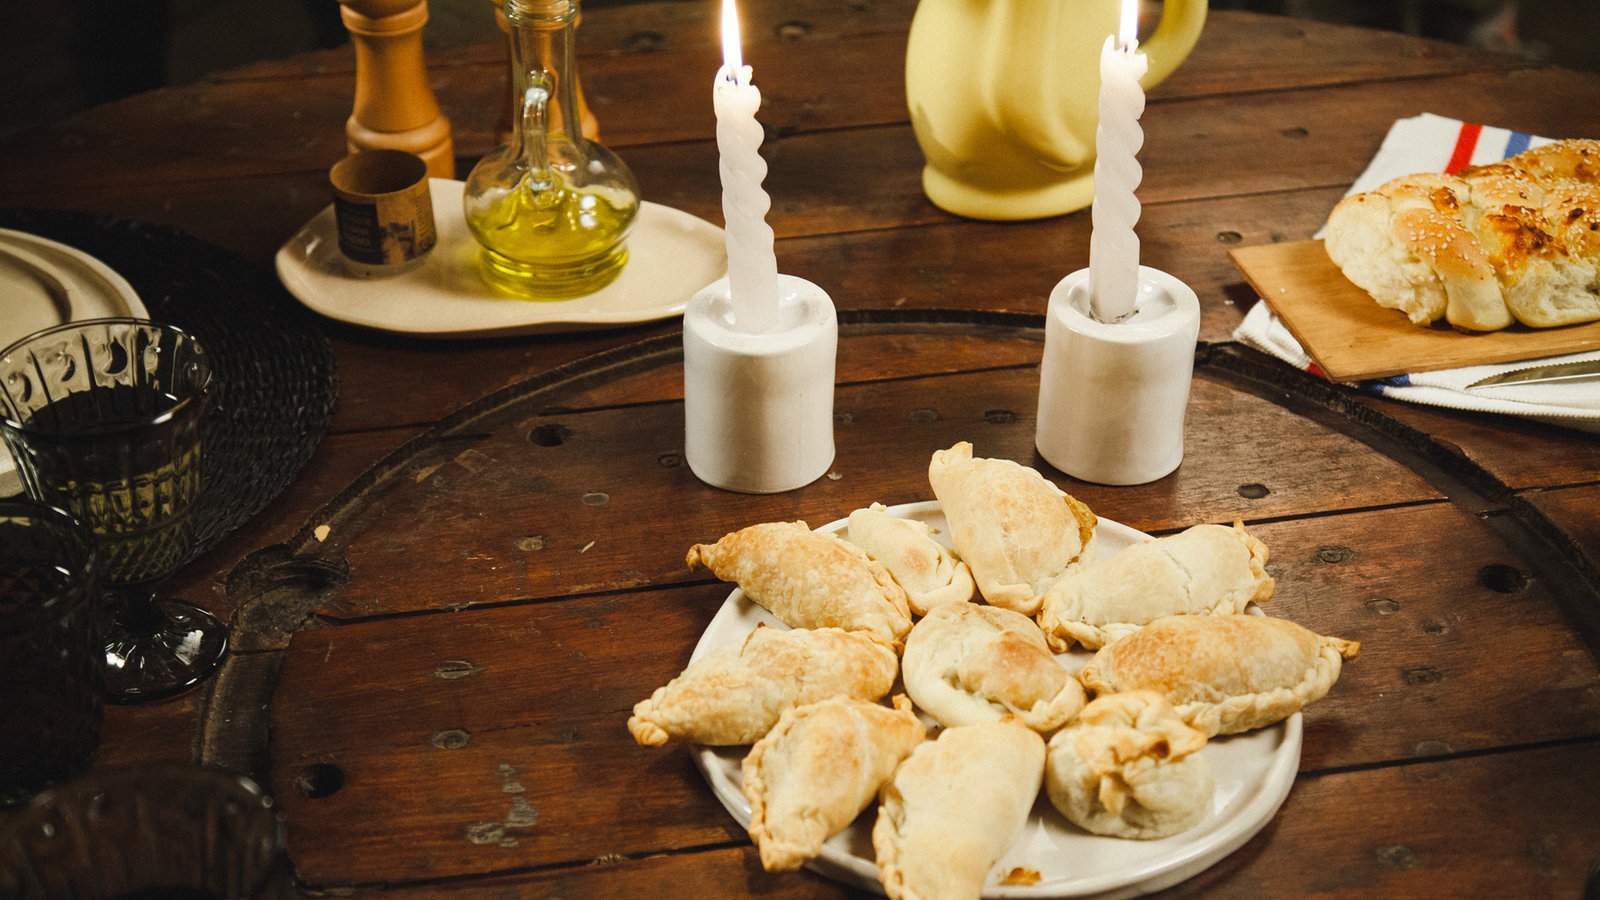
x=818 y=768
x=1129 y=767
x=735 y=693
x=954 y=807
x=970 y=663
x=1205 y=569
x=1223 y=674
x=808 y=579
x=930 y=573
x=1016 y=531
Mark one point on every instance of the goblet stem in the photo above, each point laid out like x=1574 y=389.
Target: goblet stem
x=158 y=647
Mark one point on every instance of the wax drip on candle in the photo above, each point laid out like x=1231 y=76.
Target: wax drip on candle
x=1113 y=244
x=752 y=265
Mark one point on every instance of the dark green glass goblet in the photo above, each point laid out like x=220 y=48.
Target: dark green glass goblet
x=103 y=417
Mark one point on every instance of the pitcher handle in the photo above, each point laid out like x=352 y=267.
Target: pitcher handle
x=1174 y=37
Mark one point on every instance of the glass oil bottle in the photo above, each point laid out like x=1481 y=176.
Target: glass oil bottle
x=551 y=210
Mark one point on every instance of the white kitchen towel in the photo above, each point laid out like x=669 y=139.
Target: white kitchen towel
x=1430 y=143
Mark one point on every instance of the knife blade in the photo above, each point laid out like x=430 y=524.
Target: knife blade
x=1579 y=370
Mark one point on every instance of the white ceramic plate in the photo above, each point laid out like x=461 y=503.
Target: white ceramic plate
x=45 y=283
x=1253 y=771
x=671 y=255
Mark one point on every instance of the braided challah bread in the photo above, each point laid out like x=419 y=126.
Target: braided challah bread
x=1514 y=241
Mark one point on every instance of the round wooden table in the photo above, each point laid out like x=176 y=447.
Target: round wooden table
x=441 y=625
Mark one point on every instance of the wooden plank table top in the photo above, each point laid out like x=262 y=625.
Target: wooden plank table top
x=440 y=628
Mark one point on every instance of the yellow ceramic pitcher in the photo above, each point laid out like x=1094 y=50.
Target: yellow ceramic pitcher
x=1003 y=97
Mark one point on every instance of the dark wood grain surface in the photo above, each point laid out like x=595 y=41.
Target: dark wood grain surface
x=440 y=628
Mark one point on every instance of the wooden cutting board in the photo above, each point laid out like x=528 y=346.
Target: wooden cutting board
x=1352 y=338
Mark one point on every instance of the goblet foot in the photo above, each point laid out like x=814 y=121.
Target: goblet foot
x=157 y=648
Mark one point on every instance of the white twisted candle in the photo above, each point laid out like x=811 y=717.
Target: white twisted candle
x=752 y=265
x=1113 y=245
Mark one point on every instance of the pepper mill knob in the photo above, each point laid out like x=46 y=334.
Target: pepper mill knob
x=394 y=106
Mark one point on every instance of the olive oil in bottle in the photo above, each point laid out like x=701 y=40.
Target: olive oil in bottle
x=551 y=209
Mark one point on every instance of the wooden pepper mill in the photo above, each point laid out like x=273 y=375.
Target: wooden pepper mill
x=394 y=106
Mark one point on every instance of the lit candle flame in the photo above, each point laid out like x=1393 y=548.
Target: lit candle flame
x=1127 y=32
x=732 y=52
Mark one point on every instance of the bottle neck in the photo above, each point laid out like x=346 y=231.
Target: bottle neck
x=545 y=10
x=543 y=40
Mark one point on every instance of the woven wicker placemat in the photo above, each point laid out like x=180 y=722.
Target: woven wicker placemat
x=277 y=374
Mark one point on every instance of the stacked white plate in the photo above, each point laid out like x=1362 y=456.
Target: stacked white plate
x=45 y=283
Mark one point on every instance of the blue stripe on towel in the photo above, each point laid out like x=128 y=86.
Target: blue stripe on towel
x=1379 y=385
x=1517 y=143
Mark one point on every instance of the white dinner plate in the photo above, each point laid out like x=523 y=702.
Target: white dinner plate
x=1254 y=772
x=671 y=255
x=45 y=283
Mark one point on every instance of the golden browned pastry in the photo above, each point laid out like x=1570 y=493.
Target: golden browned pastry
x=818 y=768
x=1517 y=240
x=954 y=807
x=1204 y=569
x=968 y=663
x=1129 y=767
x=930 y=573
x=808 y=579
x=1012 y=527
x=1224 y=674
x=735 y=693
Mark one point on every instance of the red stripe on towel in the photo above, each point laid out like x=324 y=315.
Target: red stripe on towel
x=1466 y=142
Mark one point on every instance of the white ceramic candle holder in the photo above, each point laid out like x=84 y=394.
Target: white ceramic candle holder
x=1112 y=397
x=758 y=408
